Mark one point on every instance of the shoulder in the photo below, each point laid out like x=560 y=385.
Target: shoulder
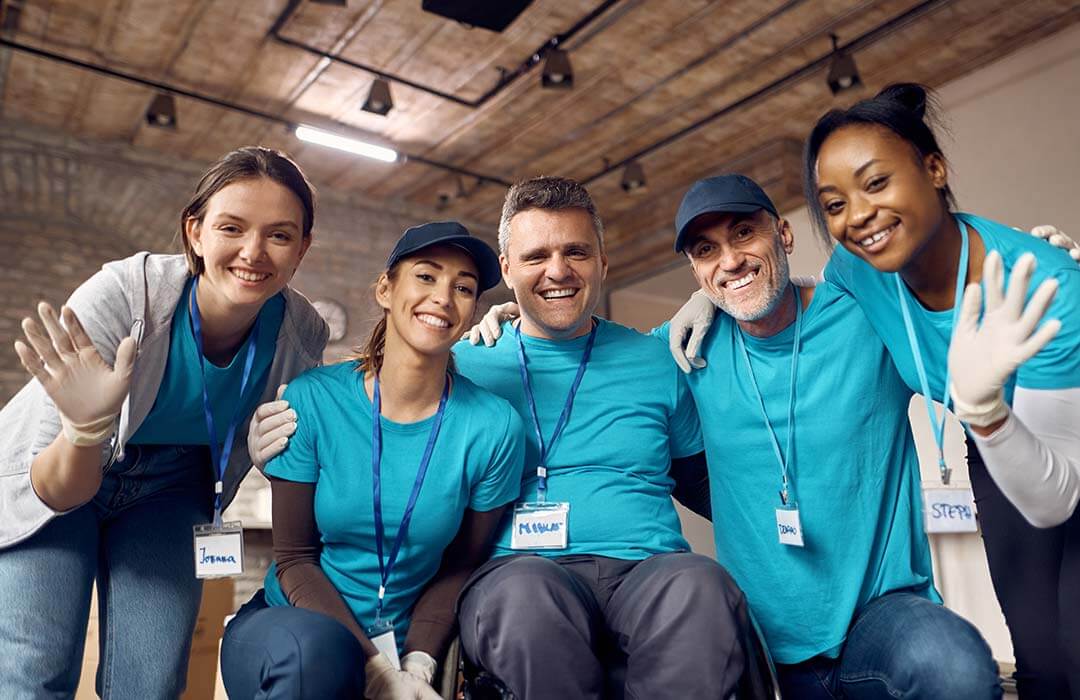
x=1011 y=244
x=632 y=342
x=481 y=403
x=322 y=380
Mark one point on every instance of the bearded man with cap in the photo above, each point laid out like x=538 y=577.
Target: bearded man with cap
x=814 y=477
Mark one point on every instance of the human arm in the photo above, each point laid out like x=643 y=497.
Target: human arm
x=1031 y=450
x=433 y=620
x=87 y=394
x=691 y=475
x=490 y=326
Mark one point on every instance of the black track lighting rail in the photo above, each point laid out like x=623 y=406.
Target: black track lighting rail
x=869 y=37
x=225 y=104
x=505 y=79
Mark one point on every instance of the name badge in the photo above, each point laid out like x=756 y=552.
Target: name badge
x=788 y=526
x=540 y=526
x=382 y=636
x=949 y=509
x=219 y=551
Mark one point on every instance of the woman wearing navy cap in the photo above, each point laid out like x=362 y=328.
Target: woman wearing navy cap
x=386 y=496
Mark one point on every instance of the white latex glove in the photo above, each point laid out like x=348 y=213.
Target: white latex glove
x=270 y=428
x=384 y=682
x=1058 y=238
x=87 y=392
x=490 y=327
x=420 y=664
x=983 y=356
x=695 y=317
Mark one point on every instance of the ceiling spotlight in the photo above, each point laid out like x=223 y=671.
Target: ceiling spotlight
x=378 y=100
x=344 y=143
x=557 y=71
x=843 y=75
x=162 y=111
x=633 y=178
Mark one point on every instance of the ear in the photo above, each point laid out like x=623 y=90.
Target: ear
x=305 y=244
x=193 y=233
x=504 y=266
x=382 y=291
x=787 y=237
x=603 y=265
x=937 y=170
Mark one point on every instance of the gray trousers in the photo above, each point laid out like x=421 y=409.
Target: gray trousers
x=548 y=628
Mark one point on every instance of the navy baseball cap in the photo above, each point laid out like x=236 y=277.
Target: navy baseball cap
x=450 y=233
x=728 y=194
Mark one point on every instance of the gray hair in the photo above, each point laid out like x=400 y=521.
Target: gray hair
x=548 y=193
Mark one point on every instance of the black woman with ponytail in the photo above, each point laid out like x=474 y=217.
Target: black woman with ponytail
x=985 y=319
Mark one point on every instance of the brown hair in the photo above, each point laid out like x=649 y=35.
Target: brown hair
x=547 y=193
x=243 y=164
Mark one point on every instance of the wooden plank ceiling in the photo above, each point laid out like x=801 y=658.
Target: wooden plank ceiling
x=644 y=70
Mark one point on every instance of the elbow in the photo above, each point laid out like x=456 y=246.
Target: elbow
x=1044 y=518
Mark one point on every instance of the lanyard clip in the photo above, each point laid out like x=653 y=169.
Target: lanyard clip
x=783 y=496
x=946 y=474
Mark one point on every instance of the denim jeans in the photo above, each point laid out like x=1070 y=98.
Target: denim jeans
x=900 y=646
x=286 y=653
x=135 y=538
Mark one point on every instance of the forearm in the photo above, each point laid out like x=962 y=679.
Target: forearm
x=306 y=586
x=1034 y=457
x=433 y=620
x=65 y=476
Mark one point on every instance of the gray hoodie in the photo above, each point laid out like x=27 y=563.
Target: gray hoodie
x=136 y=296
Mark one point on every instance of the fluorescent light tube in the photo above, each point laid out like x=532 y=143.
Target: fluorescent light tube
x=343 y=143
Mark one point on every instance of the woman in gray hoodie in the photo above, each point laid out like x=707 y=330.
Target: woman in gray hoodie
x=129 y=439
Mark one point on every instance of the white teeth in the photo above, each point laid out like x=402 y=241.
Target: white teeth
x=558 y=293
x=250 y=276
x=742 y=281
x=433 y=321
x=871 y=240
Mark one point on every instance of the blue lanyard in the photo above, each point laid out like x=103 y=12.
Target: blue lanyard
x=913 y=342
x=219 y=453
x=780 y=456
x=545 y=451
x=376 y=470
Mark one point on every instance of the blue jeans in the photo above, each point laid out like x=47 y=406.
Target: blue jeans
x=135 y=538
x=900 y=646
x=287 y=653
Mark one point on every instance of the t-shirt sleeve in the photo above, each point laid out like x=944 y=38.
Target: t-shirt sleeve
x=684 y=433
x=1057 y=366
x=500 y=483
x=298 y=461
x=662 y=332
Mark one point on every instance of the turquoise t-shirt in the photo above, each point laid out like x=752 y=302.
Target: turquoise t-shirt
x=855 y=474
x=177 y=415
x=633 y=414
x=1057 y=366
x=476 y=464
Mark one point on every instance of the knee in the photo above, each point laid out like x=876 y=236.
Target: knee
x=528 y=589
x=956 y=664
x=702 y=584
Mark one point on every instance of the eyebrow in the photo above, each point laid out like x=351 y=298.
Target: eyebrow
x=858 y=173
x=276 y=224
x=437 y=266
x=545 y=250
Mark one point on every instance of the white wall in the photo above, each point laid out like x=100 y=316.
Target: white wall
x=1014 y=152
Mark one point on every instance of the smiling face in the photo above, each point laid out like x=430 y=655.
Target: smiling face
x=429 y=299
x=740 y=261
x=555 y=266
x=250 y=240
x=880 y=200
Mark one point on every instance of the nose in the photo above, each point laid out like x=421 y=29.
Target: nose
x=731 y=258
x=440 y=293
x=254 y=247
x=860 y=210
x=557 y=268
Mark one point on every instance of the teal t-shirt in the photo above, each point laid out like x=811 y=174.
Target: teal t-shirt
x=633 y=413
x=1056 y=366
x=177 y=416
x=854 y=475
x=476 y=464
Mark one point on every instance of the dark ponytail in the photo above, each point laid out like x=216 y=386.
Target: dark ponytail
x=907 y=109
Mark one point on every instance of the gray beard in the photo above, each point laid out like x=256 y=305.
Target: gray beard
x=778 y=287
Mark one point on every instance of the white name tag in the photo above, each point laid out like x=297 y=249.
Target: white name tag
x=219 y=552
x=949 y=509
x=382 y=636
x=540 y=526
x=788 y=526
